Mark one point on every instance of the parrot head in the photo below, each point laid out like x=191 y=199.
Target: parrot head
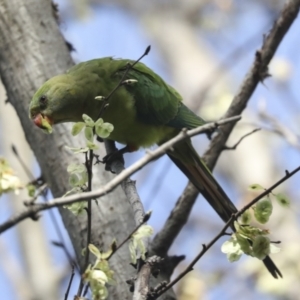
x=54 y=102
x=39 y=113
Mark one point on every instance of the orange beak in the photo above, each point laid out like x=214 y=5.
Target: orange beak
x=43 y=122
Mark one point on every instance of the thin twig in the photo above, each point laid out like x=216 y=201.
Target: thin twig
x=280 y=129
x=86 y=288
x=256 y=75
x=121 y=82
x=239 y=103
x=146 y=218
x=141 y=285
x=40 y=183
x=241 y=139
x=70 y=283
x=225 y=65
x=150 y=156
x=223 y=231
x=128 y=186
x=267 y=191
x=89 y=168
x=158 y=183
x=24 y=166
x=39 y=192
x=195 y=260
x=178 y=217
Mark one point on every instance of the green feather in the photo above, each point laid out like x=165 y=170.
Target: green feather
x=144 y=113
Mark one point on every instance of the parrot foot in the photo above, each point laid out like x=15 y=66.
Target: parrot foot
x=210 y=132
x=99 y=139
x=114 y=156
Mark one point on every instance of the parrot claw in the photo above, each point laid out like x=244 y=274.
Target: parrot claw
x=99 y=139
x=210 y=132
x=113 y=157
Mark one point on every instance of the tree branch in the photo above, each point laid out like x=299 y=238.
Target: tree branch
x=32 y=50
x=141 y=286
x=280 y=129
x=258 y=72
x=150 y=155
x=206 y=247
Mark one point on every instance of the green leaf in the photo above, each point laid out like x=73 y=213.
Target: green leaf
x=140 y=246
x=81 y=150
x=244 y=243
x=76 y=208
x=99 y=122
x=255 y=187
x=83 y=252
x=263 y=210
x=91 y=146
x=77 y=150
x=230 y=246
x=104 y=266
x=73 y=180
x=143 y=231
x=99 y=276
x=132 y=252
x=73 y=190
x=136 y=245
x=274 y=249
x=85 y=176
x=88 y=120
x=261 y=247
x=46 y=126
x=104 y=130
x=72 y=148
x=245 y=217
x=283 y=200
x=232 y=249
x=77 y=127
x=232 y=257
x=107 y=254
x=88 y=133
x=100 y=98
x=31 y=190
x=93 y=249
x=76 y=168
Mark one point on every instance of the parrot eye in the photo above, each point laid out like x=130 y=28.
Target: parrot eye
x=43 y=101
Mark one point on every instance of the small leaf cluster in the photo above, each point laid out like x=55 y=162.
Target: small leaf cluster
x=78 y=172
x=8 y=180
x=99 y=274
x=264 y=208
x=137 y=247
x=249 y=240
x=78 y=179
x=89 y=126
x=31 y=189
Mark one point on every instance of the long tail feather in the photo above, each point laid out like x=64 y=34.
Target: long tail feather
x=201 y=177
x=188 y=161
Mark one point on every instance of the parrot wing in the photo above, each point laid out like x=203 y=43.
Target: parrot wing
x=156 y=102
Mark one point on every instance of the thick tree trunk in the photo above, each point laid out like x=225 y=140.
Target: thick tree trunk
x=32 y=49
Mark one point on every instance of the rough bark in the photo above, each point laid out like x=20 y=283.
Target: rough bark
x=27 y=283
x=32 y=50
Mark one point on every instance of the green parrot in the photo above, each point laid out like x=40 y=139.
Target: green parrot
x=143 y=113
